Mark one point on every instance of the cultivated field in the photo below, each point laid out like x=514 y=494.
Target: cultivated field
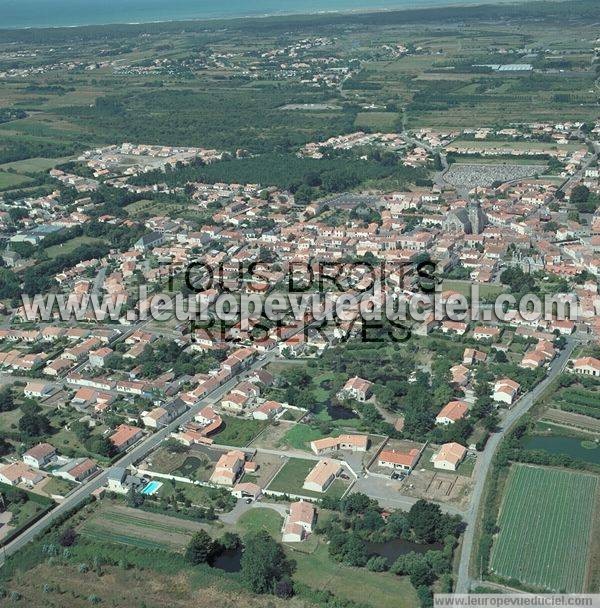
x=120 y=524
x=545 y=528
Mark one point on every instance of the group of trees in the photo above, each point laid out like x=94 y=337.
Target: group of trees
x=33 y=423
x=360 y=521
x=584 y=200
x=264 y=565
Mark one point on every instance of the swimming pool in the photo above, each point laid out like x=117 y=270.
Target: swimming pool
x=151 y=488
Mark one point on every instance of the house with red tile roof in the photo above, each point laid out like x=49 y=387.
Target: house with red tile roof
x=356 y=388
x=452 y=412
x=39 y=455
x=403 y=460
x=587 y=366
x=506 y=391
x=299 y=522
x=449 y=457
x=124 y=436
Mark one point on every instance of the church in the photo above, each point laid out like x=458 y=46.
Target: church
x=470 y=219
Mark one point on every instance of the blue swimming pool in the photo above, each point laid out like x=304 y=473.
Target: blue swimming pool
x=151 y=488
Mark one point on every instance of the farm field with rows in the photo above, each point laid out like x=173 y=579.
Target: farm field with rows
x=545 y=528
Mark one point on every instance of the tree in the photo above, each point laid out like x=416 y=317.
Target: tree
x=284 y=588
x=377 y=563
x=230 y=541
x=199 y=549
x=421 y=575
x=100 y=445
x=9 y=284
x=425 y=596
x=355 y=503
x=68 y=538
x=424 y=518
x=5 y=447
x=34 y=425
x=263 y=562
x=580 y=194
x=7 y=401
x=134 y=498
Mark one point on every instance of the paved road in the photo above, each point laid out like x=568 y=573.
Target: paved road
x=484 y=461
x=136 y=453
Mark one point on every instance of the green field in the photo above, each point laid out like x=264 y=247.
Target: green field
x=239 y=432
x=70 y=245
x=545 y=528
x=12 y=180
x=379 y=121
x=34 y=165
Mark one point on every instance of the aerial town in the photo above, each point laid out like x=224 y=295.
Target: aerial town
x=162 y=411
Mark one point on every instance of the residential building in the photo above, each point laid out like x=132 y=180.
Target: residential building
x=322 y=475
x=449 y=457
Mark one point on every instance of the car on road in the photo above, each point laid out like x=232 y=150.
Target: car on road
x=248 y=501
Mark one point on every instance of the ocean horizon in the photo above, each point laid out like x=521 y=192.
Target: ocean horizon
x=22 y=14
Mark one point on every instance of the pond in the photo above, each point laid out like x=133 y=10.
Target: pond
x=392 y=549
x=229 y=561
x=337 y=412
x=578 y=448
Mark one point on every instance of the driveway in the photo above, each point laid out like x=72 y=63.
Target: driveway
x=386 y=492
x=241 y=507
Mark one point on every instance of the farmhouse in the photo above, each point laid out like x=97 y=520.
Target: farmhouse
x=449 y=456
x=247 y=490
x=505 y=391
x=228 y=468
x=356 y=388
x=18 y=472
x=399 y=459
x=299 y=522
x=322 y=475
x=77 y=469
x=452 y=412
x=268 y=410
x=124 y=436
x=588 y=366
x=472 y=355
x=37 y=389
x=486 y=333
x=354 y=443
x=39 y=455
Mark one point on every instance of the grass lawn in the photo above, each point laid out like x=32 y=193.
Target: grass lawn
x=545 y=522
x=319 y=571
x=201 y=496
x=291 y=477
x=261 y=519
x=300 y=436
x=59 y=486
x=239 y=432
x=70 y=245
x=9 y=421
x=198 y=467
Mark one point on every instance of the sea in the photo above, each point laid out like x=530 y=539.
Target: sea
x=71 y=13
